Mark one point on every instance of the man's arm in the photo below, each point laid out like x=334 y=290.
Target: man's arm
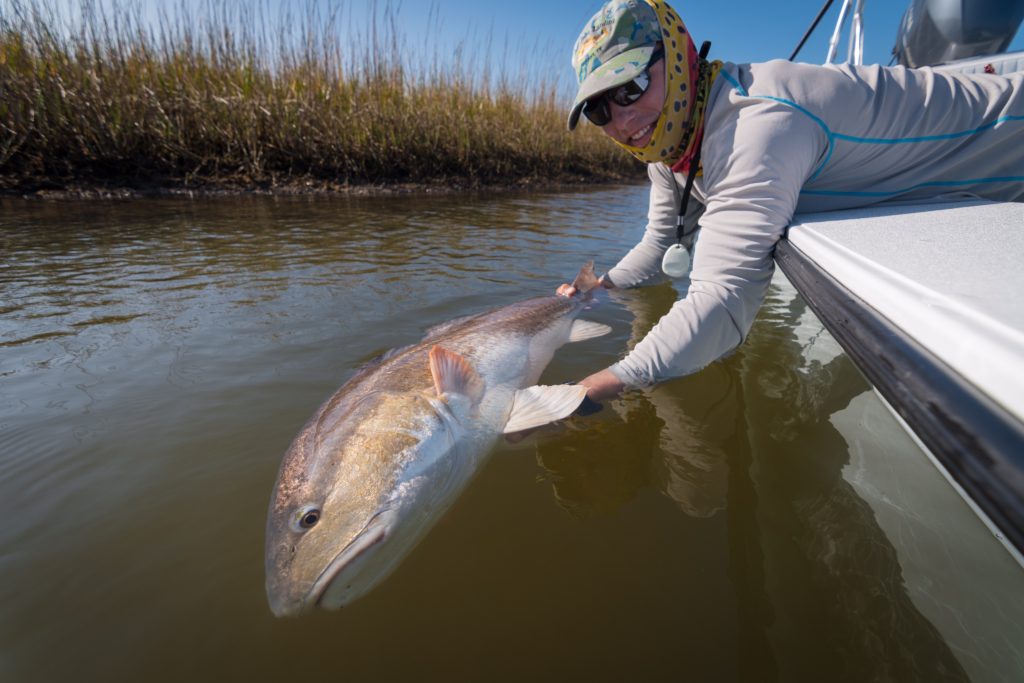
x=753 y=173
x=642 y=264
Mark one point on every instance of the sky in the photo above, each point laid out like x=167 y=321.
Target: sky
x=542 y=32
x=545 y=30
x=739 y=30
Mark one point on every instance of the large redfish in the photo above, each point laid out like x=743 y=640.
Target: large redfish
x=388 y=453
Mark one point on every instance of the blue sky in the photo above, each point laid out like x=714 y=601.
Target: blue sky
x=740 y=30
x=542 y=32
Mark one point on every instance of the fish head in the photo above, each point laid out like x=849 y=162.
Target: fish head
x=356 y=490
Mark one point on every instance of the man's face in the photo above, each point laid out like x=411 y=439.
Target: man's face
x=632 y=125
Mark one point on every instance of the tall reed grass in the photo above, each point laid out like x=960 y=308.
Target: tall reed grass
x=234 y=96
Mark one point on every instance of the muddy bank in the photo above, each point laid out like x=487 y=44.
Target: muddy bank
x=125 y=188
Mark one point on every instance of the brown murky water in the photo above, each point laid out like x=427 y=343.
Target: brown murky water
x=763 y=520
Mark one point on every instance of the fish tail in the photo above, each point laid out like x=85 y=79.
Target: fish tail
x=586 y=280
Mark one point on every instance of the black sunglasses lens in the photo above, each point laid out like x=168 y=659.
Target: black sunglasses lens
x=628 y=93
x=596 y=110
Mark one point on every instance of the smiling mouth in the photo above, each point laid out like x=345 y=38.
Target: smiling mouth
x=642 y=133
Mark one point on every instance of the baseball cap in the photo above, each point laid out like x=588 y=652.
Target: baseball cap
x=614 y=47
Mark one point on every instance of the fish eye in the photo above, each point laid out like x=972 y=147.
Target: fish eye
x=307 y=518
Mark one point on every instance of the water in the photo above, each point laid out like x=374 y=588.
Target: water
x=765 y=519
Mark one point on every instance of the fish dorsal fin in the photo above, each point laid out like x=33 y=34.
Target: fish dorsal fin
x=586 y=329
x=538 y=405
x=381 y=358
x=453 y=374
x=448 y=325
x=585 y=279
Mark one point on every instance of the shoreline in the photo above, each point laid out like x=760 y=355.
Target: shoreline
x=45 y=188
x=207 y=107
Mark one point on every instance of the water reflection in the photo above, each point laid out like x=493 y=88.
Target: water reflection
x=818 y=584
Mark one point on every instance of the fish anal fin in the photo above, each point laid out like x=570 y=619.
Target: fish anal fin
x=538 y=405
x=453 y=374
x=586 y=329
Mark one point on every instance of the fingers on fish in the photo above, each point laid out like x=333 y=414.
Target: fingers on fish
x=453 y=374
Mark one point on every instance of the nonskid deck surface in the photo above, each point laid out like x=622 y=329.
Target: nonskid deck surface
x=950 y=275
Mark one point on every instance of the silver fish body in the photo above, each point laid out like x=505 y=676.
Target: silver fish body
x=389 y=452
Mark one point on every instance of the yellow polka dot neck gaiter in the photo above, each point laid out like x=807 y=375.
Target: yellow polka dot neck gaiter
x=687 y=84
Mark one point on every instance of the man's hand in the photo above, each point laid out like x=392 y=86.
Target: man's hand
x=602 y=386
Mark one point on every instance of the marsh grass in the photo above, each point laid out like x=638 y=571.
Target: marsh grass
x=232 y=96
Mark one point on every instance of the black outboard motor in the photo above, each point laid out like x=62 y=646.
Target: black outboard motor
x=938 y=31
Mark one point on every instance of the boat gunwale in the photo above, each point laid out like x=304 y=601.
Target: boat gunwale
x=979 y=442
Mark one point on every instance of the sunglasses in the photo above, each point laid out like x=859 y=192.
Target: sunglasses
x=597 y=109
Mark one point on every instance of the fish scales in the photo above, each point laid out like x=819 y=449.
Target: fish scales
x=387 y=454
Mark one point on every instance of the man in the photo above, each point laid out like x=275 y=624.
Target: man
x=760 y=142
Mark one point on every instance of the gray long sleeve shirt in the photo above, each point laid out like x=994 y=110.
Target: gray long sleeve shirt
x=782 y=138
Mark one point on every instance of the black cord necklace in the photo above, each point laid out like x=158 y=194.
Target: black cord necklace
x=676 y=261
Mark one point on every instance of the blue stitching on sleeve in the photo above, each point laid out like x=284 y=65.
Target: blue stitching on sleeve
x=832 y=137
x=933 y=183
x=828 y=133
x=929 y=138
x=734 y=82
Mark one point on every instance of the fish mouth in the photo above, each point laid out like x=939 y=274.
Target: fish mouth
x=368 y=538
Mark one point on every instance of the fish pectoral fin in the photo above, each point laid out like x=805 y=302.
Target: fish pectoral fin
x=453 y=374
x=586 y=329
x=538 y=405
